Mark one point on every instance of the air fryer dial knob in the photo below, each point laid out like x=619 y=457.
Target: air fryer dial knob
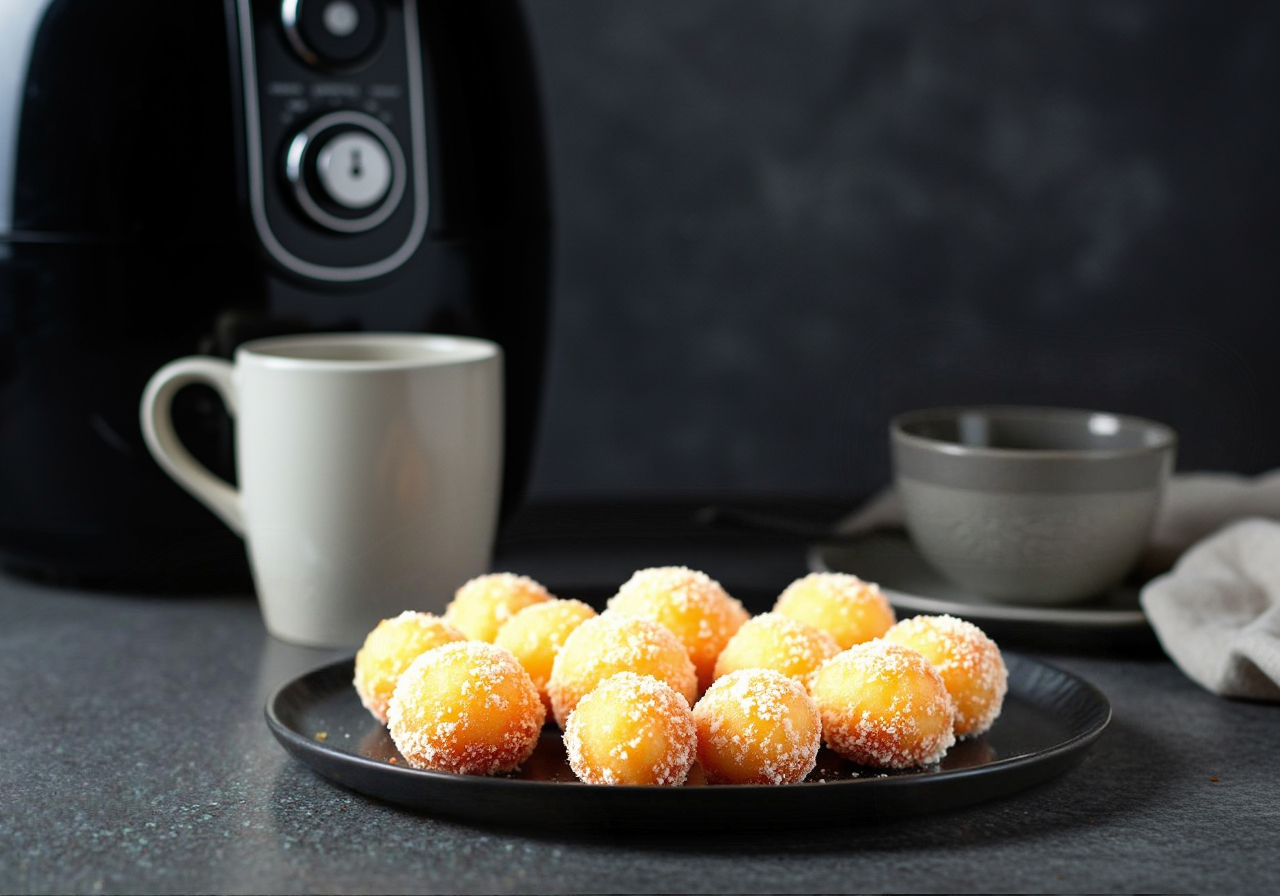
x=334 y=34
x=354 y=169
x=347 y=171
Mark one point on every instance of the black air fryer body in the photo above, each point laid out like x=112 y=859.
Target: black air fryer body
x=189 y=175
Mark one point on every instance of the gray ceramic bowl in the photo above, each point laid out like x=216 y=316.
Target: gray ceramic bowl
x=1030 y=505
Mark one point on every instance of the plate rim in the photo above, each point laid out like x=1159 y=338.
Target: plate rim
x=297 y=743
x=1065 y=616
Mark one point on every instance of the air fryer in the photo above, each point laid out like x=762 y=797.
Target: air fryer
x=182 y=177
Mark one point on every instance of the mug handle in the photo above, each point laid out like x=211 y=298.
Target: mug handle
x=163 y=442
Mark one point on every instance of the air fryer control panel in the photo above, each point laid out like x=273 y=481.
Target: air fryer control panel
x=335 y=133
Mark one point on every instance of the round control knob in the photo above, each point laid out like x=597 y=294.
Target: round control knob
x=347 y=171
x=335 y=34
x=354 y=169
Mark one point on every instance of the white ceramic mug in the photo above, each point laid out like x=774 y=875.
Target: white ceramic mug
x=369 y=470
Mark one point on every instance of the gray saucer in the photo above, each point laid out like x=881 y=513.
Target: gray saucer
x=912 y=586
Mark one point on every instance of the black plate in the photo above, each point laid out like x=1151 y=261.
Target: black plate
x=1050 y=717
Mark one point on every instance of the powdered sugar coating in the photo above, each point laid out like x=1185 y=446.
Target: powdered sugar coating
x=613 y=643
x=536 y=634
x=691 y=604
x=884 y=705
x=773 y=641
x=467 y=707
x=481 y=606
x=757 y=726
x=631 y=729
x=390 y=648
x=968 y=661
x=844 y=606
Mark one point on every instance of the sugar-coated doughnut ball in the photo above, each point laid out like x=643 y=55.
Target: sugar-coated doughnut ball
x=613 y=643
x=757 y=726
x=773 y=641
x=631 y=729
x=467 y=707
x=481 y=606
x=536 y=634
x=845 y=607
x=884 y=705
x=968 y=661
x=690 y=603
x=390 y=648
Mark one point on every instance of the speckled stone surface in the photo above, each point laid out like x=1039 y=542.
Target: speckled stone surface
x=136 y=759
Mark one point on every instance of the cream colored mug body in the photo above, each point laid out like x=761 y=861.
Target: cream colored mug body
x=369 y=470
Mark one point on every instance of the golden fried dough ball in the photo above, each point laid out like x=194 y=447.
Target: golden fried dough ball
x=690 y=603
x=467 y=707
x=884 y=705
x=773 y=641
x=757 y=726
x=968 y=661
x=390 y=648
x=612 y=643
x=631 y=729
x=481 y=606
x=845 y=607
x=535 y=635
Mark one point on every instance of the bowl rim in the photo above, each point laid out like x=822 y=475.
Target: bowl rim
x=1166 y=437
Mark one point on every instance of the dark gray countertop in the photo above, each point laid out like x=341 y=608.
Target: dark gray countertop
x=137 y=760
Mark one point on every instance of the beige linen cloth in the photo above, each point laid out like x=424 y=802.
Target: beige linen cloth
x=1217 y=612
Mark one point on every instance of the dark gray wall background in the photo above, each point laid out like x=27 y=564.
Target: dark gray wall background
x=782 y=221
